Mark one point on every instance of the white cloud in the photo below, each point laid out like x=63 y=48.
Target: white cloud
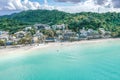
x=90 y=6
x=18 y=5
x=83 y=5
x=23 y=5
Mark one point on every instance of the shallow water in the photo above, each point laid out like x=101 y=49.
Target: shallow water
x=90 y=61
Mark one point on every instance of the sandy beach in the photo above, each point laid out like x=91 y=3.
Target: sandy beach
x=27 y=49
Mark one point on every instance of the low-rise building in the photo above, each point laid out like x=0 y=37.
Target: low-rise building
x=68 y=35
x=42 y=27
x=47 y=40
x=83 y=34
x=4 y=35
x=28 y=28
x=58 y=27
x=20 y=34
x=38 y=37
x=89 y=34
x=104 y=34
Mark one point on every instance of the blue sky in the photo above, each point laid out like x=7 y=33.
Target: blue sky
x=72 y=6
x=55 y=3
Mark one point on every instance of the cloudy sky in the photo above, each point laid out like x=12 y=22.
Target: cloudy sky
x=72 y=6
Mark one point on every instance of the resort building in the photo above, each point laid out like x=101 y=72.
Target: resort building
x=68 y=35
x=42 y=27
x=4 y=35
x=58 y=27
x=20 y=34
x=83 y=34
x=47 y=40
x=28 y=28
x=38 y=37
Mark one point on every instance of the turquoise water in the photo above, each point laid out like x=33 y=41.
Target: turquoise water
x=91 y=61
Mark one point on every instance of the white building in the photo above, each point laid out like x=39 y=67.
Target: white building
x=42 y=27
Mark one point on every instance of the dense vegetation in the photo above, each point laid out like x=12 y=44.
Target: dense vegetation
x=108 y=21
x=11 y=25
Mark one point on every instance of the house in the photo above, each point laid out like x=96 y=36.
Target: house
x=58 y=27
x=90 y=34
x=60 y=37
x=20 y=34
x=68 y=35
x=42 y=27
x=13 y=39
x=38 y=37
x=83 y=34
x=104 y=34
x=38 y=34
x=28 y=28
x=96 y=35
x=4 y=35
x=108 y=34
x=47 y=40
x=1 y=32
x=9 y=42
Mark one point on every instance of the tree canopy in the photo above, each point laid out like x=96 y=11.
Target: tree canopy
x=108 y=21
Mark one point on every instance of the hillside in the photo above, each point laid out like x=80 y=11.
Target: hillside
x=14 y=22
x=38 y=16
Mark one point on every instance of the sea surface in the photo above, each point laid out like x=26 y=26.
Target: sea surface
x=85 y=61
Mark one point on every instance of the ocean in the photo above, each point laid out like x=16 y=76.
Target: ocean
x=85 y=61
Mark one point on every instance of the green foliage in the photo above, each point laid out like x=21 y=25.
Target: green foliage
x=39 y=16
x=11 y=25
x=108 y=21
x=116 y=32
x=2 y=43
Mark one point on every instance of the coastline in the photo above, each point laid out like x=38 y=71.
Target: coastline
x=27 y=49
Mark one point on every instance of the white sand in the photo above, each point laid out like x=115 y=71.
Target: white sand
x=27 y=49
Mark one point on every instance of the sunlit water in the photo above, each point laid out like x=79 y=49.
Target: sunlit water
x=90 y=61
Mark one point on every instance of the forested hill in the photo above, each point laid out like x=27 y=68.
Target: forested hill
x=39 y=16
x=14 y=22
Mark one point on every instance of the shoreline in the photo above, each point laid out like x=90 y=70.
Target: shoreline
x=27 y=49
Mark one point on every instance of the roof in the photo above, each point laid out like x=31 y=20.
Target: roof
x=50 y=39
